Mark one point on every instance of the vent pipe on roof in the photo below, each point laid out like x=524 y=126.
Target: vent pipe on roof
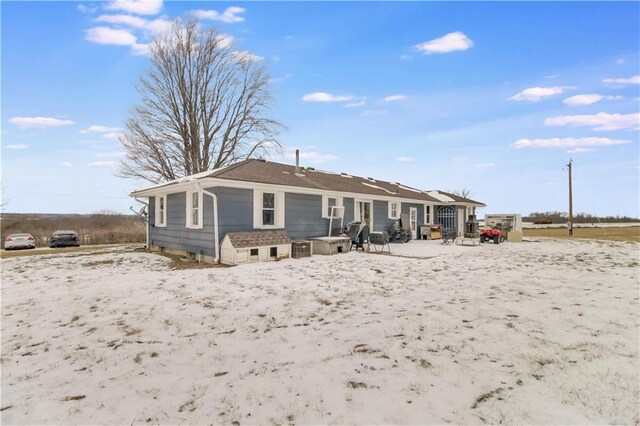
x=297 y=161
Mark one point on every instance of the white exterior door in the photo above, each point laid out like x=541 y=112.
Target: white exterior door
x=363 y=213
x=413 y=221
x=461 y=221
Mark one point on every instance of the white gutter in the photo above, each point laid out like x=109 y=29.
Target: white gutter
x=147 y=220
x=216 y=236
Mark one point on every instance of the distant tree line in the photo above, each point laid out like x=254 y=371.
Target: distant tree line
x=563 y=217
x=101 y=227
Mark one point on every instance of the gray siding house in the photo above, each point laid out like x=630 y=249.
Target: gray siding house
x=192 y=215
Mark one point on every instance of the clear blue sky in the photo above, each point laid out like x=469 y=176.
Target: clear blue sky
x=493 y=97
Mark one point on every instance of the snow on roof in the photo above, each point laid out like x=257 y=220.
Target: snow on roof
x=440 y=197
x=377 y=187
x=411 y=189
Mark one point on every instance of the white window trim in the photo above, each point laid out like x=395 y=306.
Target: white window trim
x=188 y=209
x=257 y=209
x=430 y=215
x=325 y=205
x=157 y=209
x=398 y=209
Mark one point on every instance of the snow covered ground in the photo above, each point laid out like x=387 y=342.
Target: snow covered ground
x=538 y=332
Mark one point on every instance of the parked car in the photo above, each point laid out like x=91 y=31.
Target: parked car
x=17 y=241
x=64 y=239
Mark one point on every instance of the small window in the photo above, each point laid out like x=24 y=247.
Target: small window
x=268 y=208
x=194 y=209
x=427 y=214
x=328 y=203
x=394 y=210
x=161 y=210
x=254 y=252
x=331 y=202
x=273 y=252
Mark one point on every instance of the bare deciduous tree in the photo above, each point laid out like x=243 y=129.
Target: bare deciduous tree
x=464 y=192
x=203 y=107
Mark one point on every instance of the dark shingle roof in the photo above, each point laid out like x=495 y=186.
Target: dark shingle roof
x=285 y=174
x=258 y=238
x=261 y=171
x=459 y=198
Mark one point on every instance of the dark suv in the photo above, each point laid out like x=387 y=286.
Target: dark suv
x=64 y=239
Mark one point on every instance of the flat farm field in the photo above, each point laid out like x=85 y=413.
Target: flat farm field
x=540 y=332
x=617 y=233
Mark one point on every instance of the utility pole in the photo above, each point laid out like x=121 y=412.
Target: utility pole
x=570 y=225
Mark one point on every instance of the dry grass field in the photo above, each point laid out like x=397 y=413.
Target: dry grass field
x=98 y=248
x=630 y=233
x=93 y=229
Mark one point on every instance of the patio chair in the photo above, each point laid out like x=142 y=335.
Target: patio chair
x=448 y=235
x=358 y=233
x=379 y=239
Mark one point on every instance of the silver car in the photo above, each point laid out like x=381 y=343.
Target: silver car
x=16 y=241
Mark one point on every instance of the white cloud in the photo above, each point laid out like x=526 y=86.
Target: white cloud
x=103 y=164
x=224 y=40
x=139 y=7
x=484 y=165
x=245 y=56
x=549 y=77
x=65 y=164
x=448 y=43
x=112 y=136
x=129 y=20
x=631 y=80
x=99 y=129
x=354 y=104
x=155 y=26
x=17 y=146
x=106 y=35
x=620 y=61
x=230 y=15
x=588 y=99
x=580 y=150
x=535 y=94
x=312 y=156
x=600 y=121
x=566 y=142
x=406 y=57
x=393 y=98
x=405 y=159
x=39 y=122
x=141 y=49
x=325 y=97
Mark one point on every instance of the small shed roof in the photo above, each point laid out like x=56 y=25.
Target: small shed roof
x=258 y=238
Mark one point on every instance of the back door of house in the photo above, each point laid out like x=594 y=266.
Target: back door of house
x=363 y=212
x=413 y=220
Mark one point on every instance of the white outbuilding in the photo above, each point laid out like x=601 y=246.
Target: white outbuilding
x=246 y=247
